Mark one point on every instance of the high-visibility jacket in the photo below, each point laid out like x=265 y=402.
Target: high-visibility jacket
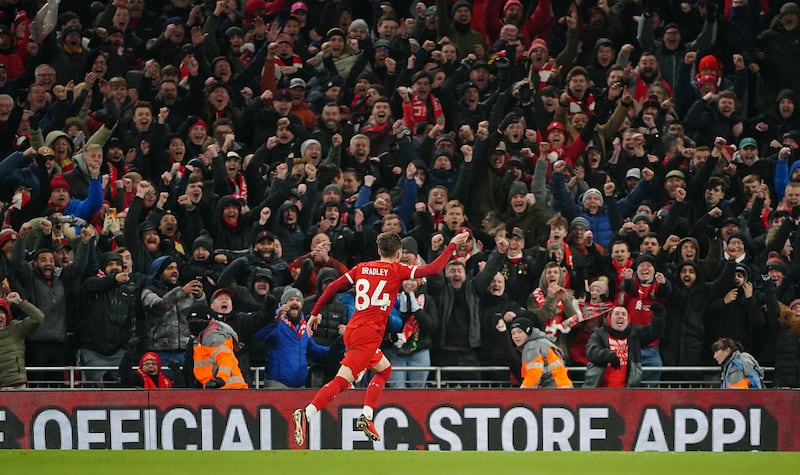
x=215 y=359
x=542 y=363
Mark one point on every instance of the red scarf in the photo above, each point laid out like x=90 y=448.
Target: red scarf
x=586 y=105
x=620 y=268
x=239 y=186
x=297 y=329
x=147 y=381
x=438 y=220
x=545 y=74
x=113 y=176
x=411 y=327
x=553 y=324
x=374 y=128
x=55 y=207
x=591 y=311
x=163 y=381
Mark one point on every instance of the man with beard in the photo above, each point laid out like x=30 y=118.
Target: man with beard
x=165 y=305
x=683 y=343
x=647 y=73
x=456 y=26
x=378 y=128
x=288 y=344
x=168 y=96
x=49 y=345
x=331 y=123
x=614 y=349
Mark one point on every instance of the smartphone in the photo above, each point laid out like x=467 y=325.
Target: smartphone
x=113 y=212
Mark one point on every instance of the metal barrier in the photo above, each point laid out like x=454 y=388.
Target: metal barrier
x=672 y=377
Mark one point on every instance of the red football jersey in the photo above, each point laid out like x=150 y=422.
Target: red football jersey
x=376 y=284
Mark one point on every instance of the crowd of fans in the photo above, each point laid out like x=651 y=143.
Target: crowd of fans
x=180 y=181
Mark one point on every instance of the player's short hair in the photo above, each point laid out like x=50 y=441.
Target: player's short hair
x=388 y=244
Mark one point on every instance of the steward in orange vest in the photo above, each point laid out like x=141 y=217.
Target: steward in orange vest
x=215 y=364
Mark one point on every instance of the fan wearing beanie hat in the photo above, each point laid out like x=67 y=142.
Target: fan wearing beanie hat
x=641 y=287
x=313 y=147
x=165 y=302
x=592 y=206
x=579 y=221
x=289 y=343
x=780 y=275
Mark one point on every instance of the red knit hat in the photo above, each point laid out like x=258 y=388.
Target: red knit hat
x=538 y=42
x=709 y=62
x=7 y=234
x=58 y=181
x=512 y=2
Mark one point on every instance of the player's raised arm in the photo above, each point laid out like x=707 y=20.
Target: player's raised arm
x=438 y=264
x=338 y=285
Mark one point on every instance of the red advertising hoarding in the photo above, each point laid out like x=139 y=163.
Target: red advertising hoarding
x=452 y=420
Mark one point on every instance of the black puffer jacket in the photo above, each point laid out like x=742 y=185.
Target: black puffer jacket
x=108 y=313
x=683 y=342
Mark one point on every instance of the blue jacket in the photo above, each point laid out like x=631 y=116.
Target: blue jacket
x=599 y=223
x=286 y=359
x=86 y=208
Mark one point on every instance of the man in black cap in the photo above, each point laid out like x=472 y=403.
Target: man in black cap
x=107 y=319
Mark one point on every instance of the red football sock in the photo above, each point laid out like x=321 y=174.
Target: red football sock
x=375 y=387
x=327 y=393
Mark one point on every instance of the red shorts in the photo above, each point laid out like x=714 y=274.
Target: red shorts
x=363 y=345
